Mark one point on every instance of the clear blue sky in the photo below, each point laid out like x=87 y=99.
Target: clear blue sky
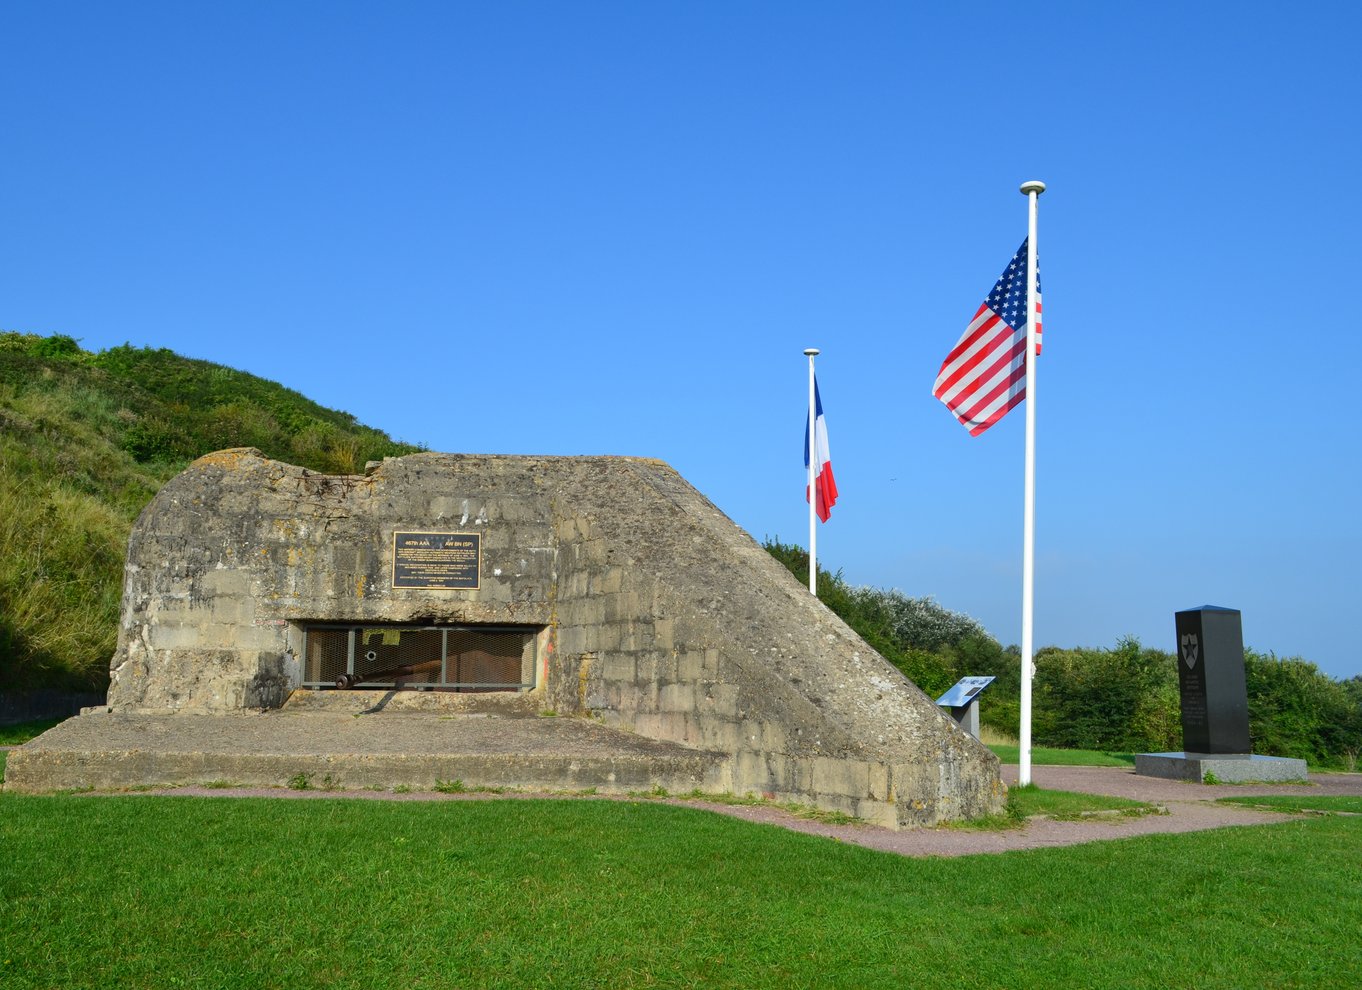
x=586 y=228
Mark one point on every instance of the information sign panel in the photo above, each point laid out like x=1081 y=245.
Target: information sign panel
x=964 y=691
x=437 y=561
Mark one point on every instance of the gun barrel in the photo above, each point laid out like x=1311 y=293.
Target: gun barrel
x=346 y=681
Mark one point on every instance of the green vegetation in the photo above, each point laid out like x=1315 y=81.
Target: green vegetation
x=1032 y=801
x=1119 y=701
x=1042 y=756
x=22 y=732
x=1123 y=699
x=86 y=439
x=1067 y=805
x=154 y=892
x=1335 y=804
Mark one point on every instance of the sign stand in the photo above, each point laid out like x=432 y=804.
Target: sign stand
x=963 y=701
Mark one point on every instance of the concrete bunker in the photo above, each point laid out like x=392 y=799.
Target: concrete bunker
x=604 y=588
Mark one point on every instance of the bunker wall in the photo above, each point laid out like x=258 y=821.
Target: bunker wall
x=659 y=616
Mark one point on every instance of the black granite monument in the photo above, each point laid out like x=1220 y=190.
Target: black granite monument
x=1215 y=723
x=1211 y=681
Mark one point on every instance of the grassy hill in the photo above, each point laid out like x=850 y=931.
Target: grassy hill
x=86 y=439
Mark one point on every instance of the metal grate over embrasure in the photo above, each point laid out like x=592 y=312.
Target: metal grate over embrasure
x=442 y=658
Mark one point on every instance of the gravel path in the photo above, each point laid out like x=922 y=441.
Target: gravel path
x=1191 y=808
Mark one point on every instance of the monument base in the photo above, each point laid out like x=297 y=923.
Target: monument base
x=1224 y=768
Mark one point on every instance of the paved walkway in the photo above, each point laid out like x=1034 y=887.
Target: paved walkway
x=1191 y=808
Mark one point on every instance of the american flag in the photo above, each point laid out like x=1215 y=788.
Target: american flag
x=984 y=375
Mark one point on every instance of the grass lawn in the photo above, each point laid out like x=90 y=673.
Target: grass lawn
x=1029 y=801
x=1291 y=802
x=1042 y=757
x=1033 y=800
x=193 y=892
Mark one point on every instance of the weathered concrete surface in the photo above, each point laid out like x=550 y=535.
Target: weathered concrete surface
x=342 y=750
x=658 y=616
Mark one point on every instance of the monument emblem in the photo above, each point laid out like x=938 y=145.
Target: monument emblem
x=1189 y=650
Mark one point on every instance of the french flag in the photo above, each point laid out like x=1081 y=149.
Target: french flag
x=823 y=483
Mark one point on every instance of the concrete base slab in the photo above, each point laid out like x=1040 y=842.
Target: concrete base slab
x=1227 y=768
x=343 y=750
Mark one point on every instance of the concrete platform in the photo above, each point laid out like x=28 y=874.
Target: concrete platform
x=358 y=747
x=1226 y=768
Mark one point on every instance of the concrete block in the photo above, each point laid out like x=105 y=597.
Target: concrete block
x=713 y=734
x=607 y=582
x=774 y=736
x=676 y=698
x=711 y=667
x=607 y=636
x=233 y=611
x=583 y=612
x=571 y=640
x=690 y=666
x=496 y=538
x=840 y=776
x=654 y=666
x=755 y=772
x=637 y=636
x=617 y=666
x=174 y=636
x=227 y=582
x=664 y=633
x=718 y=699
x=650 y=724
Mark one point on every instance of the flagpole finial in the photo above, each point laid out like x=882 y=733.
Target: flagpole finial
x=1032 y=186
x=811 y=351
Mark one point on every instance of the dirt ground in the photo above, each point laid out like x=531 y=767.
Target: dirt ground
x=1190 y=807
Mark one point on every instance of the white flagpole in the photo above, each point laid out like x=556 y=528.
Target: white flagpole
x=1031 y=190
x=812 y=352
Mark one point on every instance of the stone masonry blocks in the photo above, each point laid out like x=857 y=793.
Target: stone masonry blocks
x=694 y=634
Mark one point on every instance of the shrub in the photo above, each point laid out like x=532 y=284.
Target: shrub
x=155 y=440
x=1296 y=710
x=58 y=347
x=1123 y=699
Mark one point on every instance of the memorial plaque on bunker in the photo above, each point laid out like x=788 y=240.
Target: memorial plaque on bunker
x=437 y=560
